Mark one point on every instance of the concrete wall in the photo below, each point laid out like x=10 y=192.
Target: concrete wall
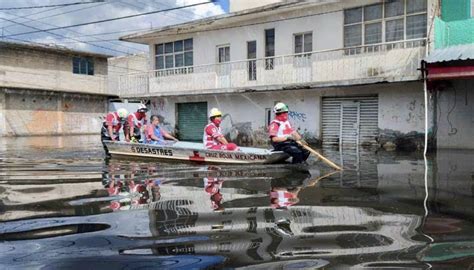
x=453 y=33
x=34 y=112
x=122 y=65
x=400 y=110
x=36 y=69
x=455 y=10
x=238 y=5
x=455 y=115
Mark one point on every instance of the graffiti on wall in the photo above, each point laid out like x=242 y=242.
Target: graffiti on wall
x=297 y=116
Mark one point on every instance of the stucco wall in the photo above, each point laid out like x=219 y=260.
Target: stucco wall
x=238 y=5
x=29 y=112
x=325 y=21
x=25 y=68
x=401 y=109
x=455 y=116
x=455 y=10
x=123 y=65
x=453 y=33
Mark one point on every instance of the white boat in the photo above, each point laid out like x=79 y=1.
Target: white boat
x=195 y=152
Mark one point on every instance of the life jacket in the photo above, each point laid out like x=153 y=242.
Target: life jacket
x=284 y=127
x=137 y=124
x=116 y=124
x=282 y=198
x=208 y=140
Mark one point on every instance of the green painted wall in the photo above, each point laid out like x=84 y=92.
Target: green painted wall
x=455 y=10
x=453 y=33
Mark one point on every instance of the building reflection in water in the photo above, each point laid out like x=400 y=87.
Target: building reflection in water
x=280 y=230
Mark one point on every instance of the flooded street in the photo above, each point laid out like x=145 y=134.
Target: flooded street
x=62 y=206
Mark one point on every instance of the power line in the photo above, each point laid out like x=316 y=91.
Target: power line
x=57 y=5
x=77 y=41
x=112 y=19
x=57 y=14
x=98 y=46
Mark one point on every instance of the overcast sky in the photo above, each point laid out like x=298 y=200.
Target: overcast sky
x=27 y=20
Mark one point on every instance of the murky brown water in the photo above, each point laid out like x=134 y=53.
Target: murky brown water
x=62 y=206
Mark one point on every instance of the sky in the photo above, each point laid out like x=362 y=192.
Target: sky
x=101 y=37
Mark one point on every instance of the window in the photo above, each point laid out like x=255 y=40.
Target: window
x=173 y=55
x=269 y=48
x=252 y=63
x=268 y=116
x=390 y=21
x=82 y=65
x=304 y=43
x=223 y=54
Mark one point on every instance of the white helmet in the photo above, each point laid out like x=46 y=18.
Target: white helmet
x=122 y=113
x=214 y=112
x=280 y=108
x=142 y=108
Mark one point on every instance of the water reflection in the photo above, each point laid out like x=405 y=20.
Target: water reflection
x=68 y=208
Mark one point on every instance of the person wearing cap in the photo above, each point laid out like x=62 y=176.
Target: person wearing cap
x=213 y=137
x=135 y=123
x=283 y=137
x=154 y=134
x=111 y=127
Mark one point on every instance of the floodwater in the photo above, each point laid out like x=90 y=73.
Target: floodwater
x=62 y=206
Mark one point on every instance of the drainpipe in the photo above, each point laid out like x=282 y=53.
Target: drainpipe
x=425 y=90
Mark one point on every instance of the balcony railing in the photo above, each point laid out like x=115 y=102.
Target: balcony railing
x=395 y=61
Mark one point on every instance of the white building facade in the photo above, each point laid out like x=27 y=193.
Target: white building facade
x=348 y=71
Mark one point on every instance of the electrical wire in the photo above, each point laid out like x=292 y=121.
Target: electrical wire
x=111 y=19
x=56 y=5
x=80 y=41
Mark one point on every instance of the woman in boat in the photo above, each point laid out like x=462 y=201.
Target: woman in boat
x=283 y=137
x=213 y=137
x=155 y=134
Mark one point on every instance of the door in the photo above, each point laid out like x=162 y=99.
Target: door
x=350 y=121
x=192 y=118
x=349 y=129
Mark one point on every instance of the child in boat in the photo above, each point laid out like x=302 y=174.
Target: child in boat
x=283 y=137
x=154 y=134
x=213 y=137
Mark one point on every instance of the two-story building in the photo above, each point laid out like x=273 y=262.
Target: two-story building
x=51 y=90
x=347 y=69
x=450 y=75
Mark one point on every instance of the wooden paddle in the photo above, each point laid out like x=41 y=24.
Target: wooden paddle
x=330 y=163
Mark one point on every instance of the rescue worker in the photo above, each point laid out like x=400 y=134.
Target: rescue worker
x=283 y=137
x=213 y=137
x=111 y=126
x=136 y=123
x=154 y=134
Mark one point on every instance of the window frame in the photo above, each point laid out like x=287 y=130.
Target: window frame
x=81 y=61
x=383 y=20
x=218 y=48
x=303 y=38
x=269 y=55
x=174 y=53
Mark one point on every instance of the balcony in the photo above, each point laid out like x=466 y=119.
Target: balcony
x=397 y=61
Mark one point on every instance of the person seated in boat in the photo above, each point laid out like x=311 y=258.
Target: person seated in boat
x=136 y=122
x=154 y=134
x=213 y=137
x=283 y=137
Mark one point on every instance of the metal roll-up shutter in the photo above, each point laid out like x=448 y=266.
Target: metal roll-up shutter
x=192 y=118
x=350 y=120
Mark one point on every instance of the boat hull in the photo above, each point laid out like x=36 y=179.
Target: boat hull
x=186 y=151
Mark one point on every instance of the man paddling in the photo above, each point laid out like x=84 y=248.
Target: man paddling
x=213 y=137
x=283 y=137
